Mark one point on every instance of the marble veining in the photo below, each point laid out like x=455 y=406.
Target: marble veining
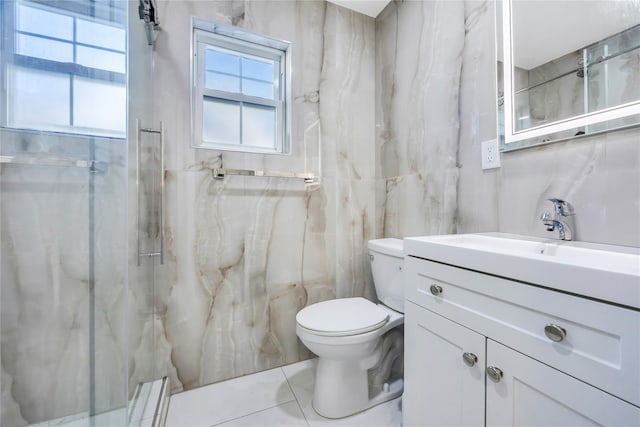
x=418 y=83
x=245 y=254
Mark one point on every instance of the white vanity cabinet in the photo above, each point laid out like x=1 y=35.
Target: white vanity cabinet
x=533 y=394
x=484 y=350
x=434 y=349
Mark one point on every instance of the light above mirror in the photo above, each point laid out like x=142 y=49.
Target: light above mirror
x=572 y=68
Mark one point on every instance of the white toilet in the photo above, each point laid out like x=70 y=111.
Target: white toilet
x=358 y=343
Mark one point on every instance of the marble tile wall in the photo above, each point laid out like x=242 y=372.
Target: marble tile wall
x=245 y=254
x=426 y=130
x=419 y=47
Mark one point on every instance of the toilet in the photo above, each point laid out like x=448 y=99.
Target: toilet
x=359 y=344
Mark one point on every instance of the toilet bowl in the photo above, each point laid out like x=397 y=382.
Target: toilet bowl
x=359 y=343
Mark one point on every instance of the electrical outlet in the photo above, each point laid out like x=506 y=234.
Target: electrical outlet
x=490 y=154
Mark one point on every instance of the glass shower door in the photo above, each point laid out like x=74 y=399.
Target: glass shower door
x=63 y=213
x=146 y=222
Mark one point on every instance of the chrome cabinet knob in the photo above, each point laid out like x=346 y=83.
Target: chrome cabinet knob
x=435 y=290
x=554 y=332
x=495 y=374
x=470 y=359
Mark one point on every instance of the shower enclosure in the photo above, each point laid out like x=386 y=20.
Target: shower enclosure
x=77 y=311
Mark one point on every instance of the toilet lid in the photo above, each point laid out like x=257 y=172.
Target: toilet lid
x=341 y=317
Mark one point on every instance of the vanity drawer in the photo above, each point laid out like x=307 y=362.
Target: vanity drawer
x=602 y=342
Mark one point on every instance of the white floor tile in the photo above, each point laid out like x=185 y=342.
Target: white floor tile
x=388 y=414
x=247 y=402
x=228 y=400
x=301 y=379
x=286 y=415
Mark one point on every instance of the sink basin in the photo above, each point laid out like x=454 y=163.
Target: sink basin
x=606 y=272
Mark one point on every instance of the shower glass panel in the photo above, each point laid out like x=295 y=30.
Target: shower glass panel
x=146 y=217
x=63 y=213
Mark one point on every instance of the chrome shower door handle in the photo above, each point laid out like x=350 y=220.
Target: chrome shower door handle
x=137 y=142
x=162 y=187
x=160 y=132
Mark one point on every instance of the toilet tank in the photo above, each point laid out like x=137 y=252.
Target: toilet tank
x=387 y=268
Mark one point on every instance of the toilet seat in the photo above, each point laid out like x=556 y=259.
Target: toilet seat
x=342 y=317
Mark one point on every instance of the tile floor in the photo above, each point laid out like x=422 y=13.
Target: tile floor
x=277 y=397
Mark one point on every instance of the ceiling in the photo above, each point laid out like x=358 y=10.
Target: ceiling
x=367 y=7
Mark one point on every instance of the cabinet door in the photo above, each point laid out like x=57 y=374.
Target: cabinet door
x=440 y=388
x=530 y=393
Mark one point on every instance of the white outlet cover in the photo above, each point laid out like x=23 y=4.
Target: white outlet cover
x=490 y=154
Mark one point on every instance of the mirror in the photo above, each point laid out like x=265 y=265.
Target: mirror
x=566 y=69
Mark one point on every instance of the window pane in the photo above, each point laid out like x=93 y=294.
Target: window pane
x=101 y=59
x=44 y=48
x=38 y=21
x=255 y=88
x=259 y=126
x=222 y=62
x=99 y=105
x=222 y=82
x=220 y=121
x=37 y=98
x=96 y=34
x=259 y=70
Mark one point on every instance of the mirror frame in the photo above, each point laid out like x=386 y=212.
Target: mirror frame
x=512 y=140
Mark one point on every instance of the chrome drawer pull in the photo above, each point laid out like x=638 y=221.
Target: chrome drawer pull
x=435 y=290
x=470 y=359
x=495 y=374
x=554 y=332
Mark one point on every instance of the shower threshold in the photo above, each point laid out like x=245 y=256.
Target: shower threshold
x=147 y=408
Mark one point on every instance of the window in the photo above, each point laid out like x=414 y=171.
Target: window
x=240 y=90
x=64 y=66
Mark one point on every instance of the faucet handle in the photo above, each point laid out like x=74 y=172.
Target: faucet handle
x=562 y=207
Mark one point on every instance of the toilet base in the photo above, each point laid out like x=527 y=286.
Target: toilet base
x=345 y=387
x=337 y=408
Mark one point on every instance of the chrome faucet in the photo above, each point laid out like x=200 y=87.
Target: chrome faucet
x=562 y=219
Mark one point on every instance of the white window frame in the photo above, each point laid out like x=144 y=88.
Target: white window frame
x=243 y=43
